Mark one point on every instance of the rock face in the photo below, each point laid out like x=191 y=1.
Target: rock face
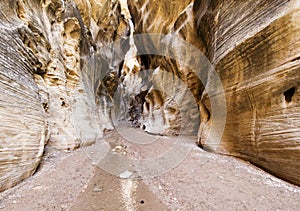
x=254 y=47
x=48 y=92
x=257 y=57
x=60 y=82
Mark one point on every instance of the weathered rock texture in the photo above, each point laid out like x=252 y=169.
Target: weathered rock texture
x=256 y=54
x=59 y=83
x=254 y=46
x=47 y=90
x=161 y=114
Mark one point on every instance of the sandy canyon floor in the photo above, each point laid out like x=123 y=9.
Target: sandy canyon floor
x=202 y=181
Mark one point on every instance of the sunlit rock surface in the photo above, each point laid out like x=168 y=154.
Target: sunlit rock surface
x=255 y=48
x=62 y=86
x=46 y=94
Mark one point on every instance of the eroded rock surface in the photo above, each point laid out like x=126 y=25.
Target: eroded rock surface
x=48 y=94
x=256 y=55
x=254 y=49
x=61 y=83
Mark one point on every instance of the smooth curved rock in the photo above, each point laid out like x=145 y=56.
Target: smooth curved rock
x=59 y=79
x=254 y=46
x=44 y=96
x=257 y=57
x=24 y=126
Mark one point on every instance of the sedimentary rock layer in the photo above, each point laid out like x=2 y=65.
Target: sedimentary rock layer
x=257 y=58
x=60 y=80
x=254 y=47
x=47 y=92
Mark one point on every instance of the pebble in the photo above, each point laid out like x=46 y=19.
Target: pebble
x=98 y=189
x=64 y=207
x=125 y=175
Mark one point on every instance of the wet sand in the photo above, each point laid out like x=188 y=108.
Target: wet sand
x=107 y=192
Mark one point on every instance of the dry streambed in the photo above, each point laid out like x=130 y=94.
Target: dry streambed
x=69 y=181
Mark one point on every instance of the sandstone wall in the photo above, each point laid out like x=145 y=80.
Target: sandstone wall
x=254 y=47
x=256 y=54
x=60 y=81
x=161 y=113
x=48 y=86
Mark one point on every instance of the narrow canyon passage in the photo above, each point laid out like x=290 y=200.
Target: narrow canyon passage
x=149 y=105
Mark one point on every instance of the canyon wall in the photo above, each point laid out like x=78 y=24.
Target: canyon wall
x=60 y=81
x=49 y=78
x=256 y=53
x=254 y=48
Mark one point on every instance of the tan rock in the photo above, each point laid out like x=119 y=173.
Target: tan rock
x=259 y=69
x=60 y=81
x=42 y=99
x=254 y=48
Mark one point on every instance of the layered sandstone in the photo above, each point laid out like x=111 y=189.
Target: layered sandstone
x=62 y=83
x=254 y=47
x=47 y=96
x=256 y=55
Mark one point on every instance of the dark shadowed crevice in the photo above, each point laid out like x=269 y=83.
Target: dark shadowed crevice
x=288 y=94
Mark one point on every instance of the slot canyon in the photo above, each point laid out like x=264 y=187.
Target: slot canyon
x=149 y=105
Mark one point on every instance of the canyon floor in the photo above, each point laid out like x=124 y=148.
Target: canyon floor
x=202 y=181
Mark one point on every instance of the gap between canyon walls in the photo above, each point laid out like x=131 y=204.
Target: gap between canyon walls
x=248 y=53
x=60 y=79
